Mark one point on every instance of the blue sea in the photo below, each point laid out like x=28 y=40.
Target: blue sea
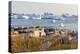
x=68 y=23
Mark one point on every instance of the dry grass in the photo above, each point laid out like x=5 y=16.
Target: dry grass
x=18 y=44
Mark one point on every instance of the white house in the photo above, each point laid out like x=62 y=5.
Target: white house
x=57 y=33
x=39 y=33
x=14 y=33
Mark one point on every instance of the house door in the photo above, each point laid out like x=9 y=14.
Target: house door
x=39 y=34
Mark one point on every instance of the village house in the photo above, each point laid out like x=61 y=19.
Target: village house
x=57 y=33
x=35 y=32
x=39 y=32
x=14 y=33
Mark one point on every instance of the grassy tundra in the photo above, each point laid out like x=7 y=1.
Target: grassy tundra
x=28 y=44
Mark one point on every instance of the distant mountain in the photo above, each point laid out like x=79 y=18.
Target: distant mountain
x=65 y=15
x=74 y=16
x=68 y=16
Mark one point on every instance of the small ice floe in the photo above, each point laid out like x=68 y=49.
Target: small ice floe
x=54 y=21
x=26 y=17
x=37 y=18
x=15 y=16
x=62 y=25
x=63 y=18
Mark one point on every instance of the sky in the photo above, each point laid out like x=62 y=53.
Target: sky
x=40 y=8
